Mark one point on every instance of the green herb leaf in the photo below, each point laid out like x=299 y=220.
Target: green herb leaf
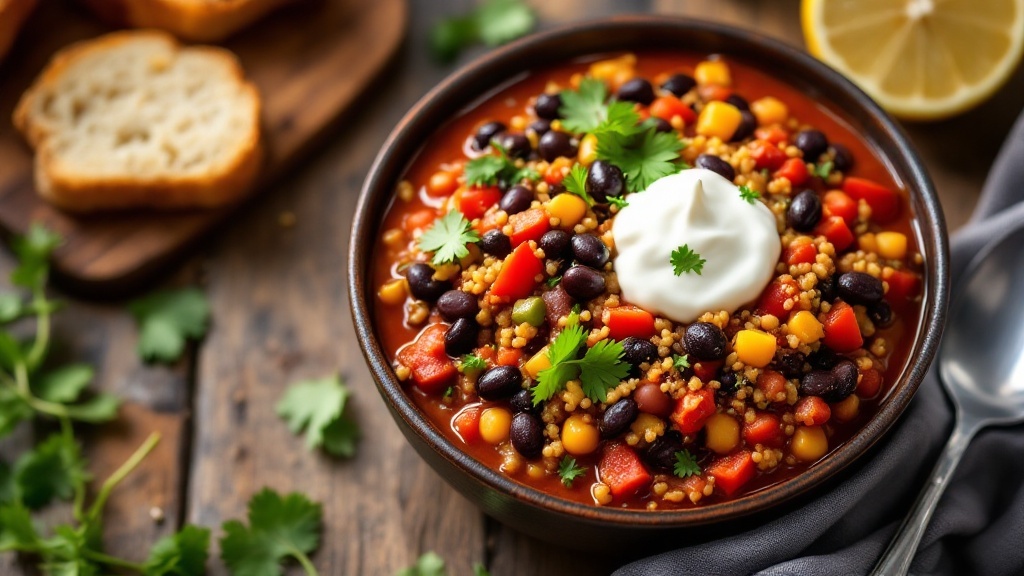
x=447 y=238
x=686 y=465
x=584 y=109
x=318 y=407
x=279 y=528
x=473 y=362
x=824 y=170
x=167 y=319
x=451 y=36
x=494 y=22
x=96 y=410
x=480 y=570
x=11 y=307
x=13 y=410
x=618 y=201
x=749 y=196
x=553 y=281
x=600 y=368
x=643 y=156
x=65 y=384
x=33 y=251
x=575 y=182
x=181 y=554
x=620 y=117
x=53 y=469
x=524 y=173
x=485 y=170
x=569 y=471
x=17 y=533
x=681 y=362
x=429 y=564
x=685 y=260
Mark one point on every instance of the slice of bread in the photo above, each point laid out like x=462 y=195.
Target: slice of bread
x=12 y=15
x=134 y=119
x=195 y=20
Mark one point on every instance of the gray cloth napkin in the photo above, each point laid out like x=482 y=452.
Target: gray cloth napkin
x=978 y=527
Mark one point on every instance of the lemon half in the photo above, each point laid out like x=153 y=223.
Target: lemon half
x=919 y=59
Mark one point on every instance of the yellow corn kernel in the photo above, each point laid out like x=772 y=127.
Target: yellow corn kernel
x=754 y=348
x=713 y=72
x=578 y=436
x=538 y=362
x=722 y=433
x=719 y=119
x=809 y=443
x=588 y=150
x=769 y=110
x=847 y=409
x=615 y=71
x=445 y=272
x=806 y=327
x=568 y=208
x=495 y=424
x=891 y=245
x=867 y=242
x=394 y=291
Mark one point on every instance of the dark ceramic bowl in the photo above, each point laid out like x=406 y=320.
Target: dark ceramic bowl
x=540 y=514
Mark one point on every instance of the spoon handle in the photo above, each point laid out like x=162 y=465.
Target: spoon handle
x=898 y=556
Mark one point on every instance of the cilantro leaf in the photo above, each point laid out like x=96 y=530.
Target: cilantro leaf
x=13 y=410
x=494 y=22
x=96 y=410
x=33 y=251
x=17 y=531
x=685 y=465
x=428 y=564
x=575 y=182
x=472 y=362
x=8 y=491
x=569 y=471
x=643 y=156
x=584 y=109
x=279 y=528
x=182 y=554
x=53 y=469
x=318 y=406
x=681 y=362
x=65 y=384
x=823 y=170
x=167 y=319
x=602 y=368
x=524 y=173
x=599 y=369
x=617 y=201
x=447 y=238
x=553 y=281
x=484 y=170
x=11 y=307
x=480 y=570
x=748 y=195
x=685 y=260
x=620 y=117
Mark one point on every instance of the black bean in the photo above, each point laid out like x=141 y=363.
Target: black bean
x=617 y=418
x=590 y=250
x=604 y=180
x=804 y=211
x=527 y=434
x=661 y=454
x=728 y=382
x=496 y=244
x=455 y=304
x=818 y=383
x=522 y=401
x=582 y=282
x=662 y=125
x=547 y=106
x=704 y=341
x=499 y=382
x=636 y=351
x=555 y=244
x=860 y=288
x=636 y=90
x=558 y=303
x=679 y=84
x=539 y=341
x=484 y=134
x=842 y=159
x=539 y=127
x=812 y=143
x=738 y=101
x=789 y=363
x=556 y=144
x=881 y=314
x=748 y=123
x=517 y=199
x=516 y=145
x=461 y=337
x=824 y=358
x=827 y=288
x=422 y=283
x=716 y=164
x=845 y=374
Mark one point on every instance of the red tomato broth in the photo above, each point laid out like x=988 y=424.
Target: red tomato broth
x=451 y=143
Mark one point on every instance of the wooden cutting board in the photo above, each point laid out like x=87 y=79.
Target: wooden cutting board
x=310 y=61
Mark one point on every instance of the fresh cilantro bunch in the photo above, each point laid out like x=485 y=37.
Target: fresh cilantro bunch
x=494 y=22
x=600 y=369
x=167 y=320
x=448 y=237
x=318 y=407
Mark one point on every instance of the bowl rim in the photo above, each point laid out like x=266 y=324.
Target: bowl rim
x=934 y=304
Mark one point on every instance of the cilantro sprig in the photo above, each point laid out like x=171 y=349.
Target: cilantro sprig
x=749 y=195
x=686 y=465
x=681 y=362
x=685 y=260
x=494 y=22
x=318 y=407
x=489 y=169
x=448 y=237
x=643 y=156
x=280 y=528
x=600 y=369
x=575 y=182
x=167 y=319
x=569 y=471
x=823 y=170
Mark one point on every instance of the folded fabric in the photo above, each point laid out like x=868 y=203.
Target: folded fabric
x=978 y=527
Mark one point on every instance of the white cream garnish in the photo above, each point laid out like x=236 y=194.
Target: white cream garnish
x=703 y=210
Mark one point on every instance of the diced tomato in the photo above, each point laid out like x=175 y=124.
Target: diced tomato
x=627 y=320
x=667 y=107
x=431 y=368
x=419 y=219
x=709 y=92
x=766 y=155
x=773 y=299
x=467 y=424
x=509 y=356
x=842 y=333
x=903 y=285
x=707 y=370
x=693 y=410
x=621 y=469
x=694 y=485
x=885 y=203
x=486 y=352
x=802 y=254
x=517 y=277
x=838 y=203
x=733 y=471
x=773 y=385
x=835 y=230
x=529 y=225
x=475 y=200
x=488 y=222
x=869 y=384
x=772 y=134
x=811 y=411
x=765 y=429
x=793 y=170
x=557 y=170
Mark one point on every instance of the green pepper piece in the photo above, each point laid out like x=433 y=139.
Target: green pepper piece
x=530 y=310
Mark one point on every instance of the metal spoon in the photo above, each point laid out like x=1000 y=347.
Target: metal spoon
x=981 y=364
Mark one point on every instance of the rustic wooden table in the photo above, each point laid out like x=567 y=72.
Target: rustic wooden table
x=281 y=313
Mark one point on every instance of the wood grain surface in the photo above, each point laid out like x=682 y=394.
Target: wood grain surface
x=309 y=61
x=281 y=314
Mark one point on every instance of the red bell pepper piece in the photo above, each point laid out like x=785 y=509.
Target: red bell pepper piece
x=771 y=134
x=667 y=107
x=476 y=200
x=732 y=472
x=517 y=277
x=885 y=203
x=707 y=370
x=842 y=333
x=766 y=155
x=773 y=384
x=903 y=285
x=529 y=225
x=802 y=254
x=811 y=411
x=773 y=299
x=869 y=384
x=835 y=230
x=793 y=170
x=709 y=92
x=419 y=219
x=467 y=424
x=765 y=429
x=837 y=203
x=509 y=356
x=621 y=469
x=431 y=368
x=693 y=410
x=627 y=320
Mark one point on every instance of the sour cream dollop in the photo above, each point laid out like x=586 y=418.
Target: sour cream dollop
x=704 y=211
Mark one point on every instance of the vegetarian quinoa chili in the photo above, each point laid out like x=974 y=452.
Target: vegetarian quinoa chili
x=499 y=302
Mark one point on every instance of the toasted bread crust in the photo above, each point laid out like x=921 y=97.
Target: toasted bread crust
x=193 y=20
x=13 y=14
